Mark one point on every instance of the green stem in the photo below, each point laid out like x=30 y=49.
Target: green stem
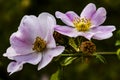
x=71 y=55
x=79 y=55
x=79 y=40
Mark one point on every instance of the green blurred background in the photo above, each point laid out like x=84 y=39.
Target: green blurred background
x=11 y=13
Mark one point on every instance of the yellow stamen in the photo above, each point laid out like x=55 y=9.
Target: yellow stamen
x=82 y=24
x=39 y=44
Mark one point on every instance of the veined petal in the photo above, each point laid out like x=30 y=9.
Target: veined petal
x=14 y=67
x=109 y=28
x=88 y=11
x=103 y=32
x=49 y=54
x=71 y=15
x=32 y=58
x=99 y=17
x=65 y=30
x=20 y=44
x=64 y=18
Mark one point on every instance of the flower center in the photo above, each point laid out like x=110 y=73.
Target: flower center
x=82 y=24
x=39 y=44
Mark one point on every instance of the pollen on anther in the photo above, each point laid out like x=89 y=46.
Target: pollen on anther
x=39 y=44
x=81 y=24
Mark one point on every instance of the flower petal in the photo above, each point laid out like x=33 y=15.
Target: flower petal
x=50 y=41
x=55 y=51
x=30 y=28
x=49 y=54
x=88 y=35
x=88 y=11
x=64 y=18
x=20 y=44
x=103 y=32
x=14 y=67
x=104 y=29
x=71 y=15
x=65 y=30
x=48 y=22
x=10 y=53
x=101 y=36
x=99 y=16
x=32 y=58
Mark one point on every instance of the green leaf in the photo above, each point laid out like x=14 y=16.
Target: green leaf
x=118 y=53
x=100 y=57
x=117 y=43
x=67 y=61
x=73 y=44
x=55 y=76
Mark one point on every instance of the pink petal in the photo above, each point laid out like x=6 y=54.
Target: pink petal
x=103 y=32
x=48 y=22
x=30 y=28
x=49 y=54
x=14 y=67
x=99 y=17
x=88 y=11
x=101 y=36
x=68 y=31
x=50 y=41
x=88 y=35
x=71 y=15
x=32 y=58
x=20 y=44
x=10 y=53
x=45 y=61
x=104 y=29
x=55 y=51
x=64 y=18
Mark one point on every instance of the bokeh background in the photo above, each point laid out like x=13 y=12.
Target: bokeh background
x=11 y=13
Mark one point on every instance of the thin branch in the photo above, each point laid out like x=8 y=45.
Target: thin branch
x=79 y=55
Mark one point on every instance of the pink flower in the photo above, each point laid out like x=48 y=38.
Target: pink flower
x=33 y=43
x=88 y=24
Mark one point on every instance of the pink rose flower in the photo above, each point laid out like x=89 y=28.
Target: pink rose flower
x=33 y=43
x=88 y=24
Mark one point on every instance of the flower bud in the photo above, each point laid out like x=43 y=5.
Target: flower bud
x=87 y=47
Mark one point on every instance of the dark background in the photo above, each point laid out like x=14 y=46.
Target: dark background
x=11 y=13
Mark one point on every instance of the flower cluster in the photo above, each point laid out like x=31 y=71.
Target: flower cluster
x=34 y=42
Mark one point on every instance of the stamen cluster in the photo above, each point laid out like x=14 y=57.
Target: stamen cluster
x=82 y=24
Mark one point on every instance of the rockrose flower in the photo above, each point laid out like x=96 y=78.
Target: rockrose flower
x=33 y=43
x=88 y=24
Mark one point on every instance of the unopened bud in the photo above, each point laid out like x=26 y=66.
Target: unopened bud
x=88 y=47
